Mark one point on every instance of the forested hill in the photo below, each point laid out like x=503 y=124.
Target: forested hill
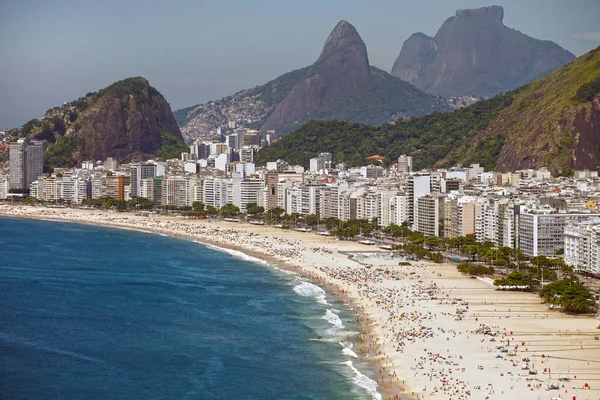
x=553 y=122
x=428 y=139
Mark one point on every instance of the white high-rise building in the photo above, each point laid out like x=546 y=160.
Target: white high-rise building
x=405 y=164
x=139 y=172
x=542 y=232
x=399 y=209
x=26 y=164
x=430 y=215
x=98 y=183
x=215 y=192
x=419 y=185
x=582 y=245
x=3 y=186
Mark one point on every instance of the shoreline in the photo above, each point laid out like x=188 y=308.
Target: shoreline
x=416 y=321
x=390 y=390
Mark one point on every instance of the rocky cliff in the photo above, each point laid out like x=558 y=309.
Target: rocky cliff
x=127 y=120
x=342 y=66
x=474 y=53
x=553 y=122
x=340 y=85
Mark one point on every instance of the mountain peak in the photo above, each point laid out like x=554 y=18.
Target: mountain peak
x=474 y=53
x=494 y=13
x=342 y=36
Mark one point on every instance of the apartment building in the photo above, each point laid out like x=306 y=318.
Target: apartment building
x=582 y=245
x=542 y=231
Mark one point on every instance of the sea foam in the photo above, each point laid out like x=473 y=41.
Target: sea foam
x=235 y=253
x=307 y=289
x=333 y=319
x=364 y=382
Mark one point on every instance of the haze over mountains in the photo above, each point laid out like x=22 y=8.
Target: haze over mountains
x=339 y=85
x=553 y=122
x=474 y=53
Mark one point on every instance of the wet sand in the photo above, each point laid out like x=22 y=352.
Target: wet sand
x=434 y=333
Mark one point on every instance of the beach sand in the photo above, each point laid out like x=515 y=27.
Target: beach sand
x=434 y=333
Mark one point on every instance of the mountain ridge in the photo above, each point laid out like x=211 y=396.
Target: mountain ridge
x=553 y=122
x=474 y=53
x=339 y=85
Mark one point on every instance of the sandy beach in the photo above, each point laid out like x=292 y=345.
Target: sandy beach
x=434 y=333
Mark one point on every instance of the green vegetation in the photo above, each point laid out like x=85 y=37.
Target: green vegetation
x=377 y=102
x=64 y=152
x=120 y=205
x=349 y=229
x=515 y=281
x=430 y=139
x=570 y=294
x=500 y=133
x=474 y=269
x=138 y=87
x=171 y=146
x=588 y=91
x=229 y=210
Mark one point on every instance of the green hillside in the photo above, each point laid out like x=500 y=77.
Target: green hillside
x=552 y=122
x=428 y=139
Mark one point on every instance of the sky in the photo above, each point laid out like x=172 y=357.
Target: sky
x=193 y=51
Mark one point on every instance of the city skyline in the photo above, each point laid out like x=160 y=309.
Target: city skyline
x=194 y=53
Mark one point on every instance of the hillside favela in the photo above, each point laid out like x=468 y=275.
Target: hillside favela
x=409 y=214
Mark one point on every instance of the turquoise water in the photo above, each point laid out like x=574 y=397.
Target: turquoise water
x=97 y=313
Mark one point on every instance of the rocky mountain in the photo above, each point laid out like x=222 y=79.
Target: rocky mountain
x=553 y=122
x=127 y=120
x=339 y=85
x=474 y=53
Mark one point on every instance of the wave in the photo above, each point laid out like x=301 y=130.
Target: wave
x=235 y=253
x=307 y=289
x=333 y=319
x=348 y=351
x=364 y=382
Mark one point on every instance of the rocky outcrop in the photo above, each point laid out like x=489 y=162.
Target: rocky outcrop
x=125 y=120
x=340 y=85
x=553 y=122
x=342 y=65
x=474 y=53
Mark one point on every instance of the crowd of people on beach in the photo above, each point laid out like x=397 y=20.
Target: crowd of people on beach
x=452 y=347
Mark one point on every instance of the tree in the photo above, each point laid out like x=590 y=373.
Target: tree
x=211 y=210
x=229 y=210
x=276 y=212
x=397 y=231
x=570 y=294
x=416 y=237
x=432 y=242
x=515 y=281
x=474 y=269
x=311 y=220
x=437 y=257
x=470 y=250
x=347 y=232
x=331 y=223
x=253 y=209
x=198 y=206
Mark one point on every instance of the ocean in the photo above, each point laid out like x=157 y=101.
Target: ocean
x=98 y=313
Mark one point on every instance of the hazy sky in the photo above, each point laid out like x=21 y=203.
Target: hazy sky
x=52 y=51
